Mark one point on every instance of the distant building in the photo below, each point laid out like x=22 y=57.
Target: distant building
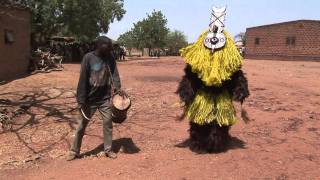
x=14 y=41
x=295 y=40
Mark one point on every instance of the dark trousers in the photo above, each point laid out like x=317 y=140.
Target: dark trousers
x=89 y=110
x=122 y=56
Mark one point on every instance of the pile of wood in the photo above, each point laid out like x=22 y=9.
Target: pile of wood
x=9 y=114
x=45 y=62
x=5 y=120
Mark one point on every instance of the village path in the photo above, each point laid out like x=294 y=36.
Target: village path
x=281 y=143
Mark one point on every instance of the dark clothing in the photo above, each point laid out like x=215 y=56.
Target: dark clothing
x=122 y=54
x=191 y=83
x=94 y=93
x=94 y=85
x=89 y=110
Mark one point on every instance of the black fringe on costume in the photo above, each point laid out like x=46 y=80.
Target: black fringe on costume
x=239 y=87
x=209 y=138
x=190 y=84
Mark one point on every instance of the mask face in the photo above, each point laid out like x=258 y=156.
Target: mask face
x=215 y=38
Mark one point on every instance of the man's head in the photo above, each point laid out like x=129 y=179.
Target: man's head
x=104 y=45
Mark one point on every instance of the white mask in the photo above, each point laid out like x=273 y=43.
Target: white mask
x=215 y=39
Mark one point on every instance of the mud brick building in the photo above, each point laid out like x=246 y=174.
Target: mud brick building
x=14 y=41
x=295 y=40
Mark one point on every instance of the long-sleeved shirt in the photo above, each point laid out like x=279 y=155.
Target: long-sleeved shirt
x=95 y=82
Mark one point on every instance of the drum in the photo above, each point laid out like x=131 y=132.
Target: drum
x=120 y=106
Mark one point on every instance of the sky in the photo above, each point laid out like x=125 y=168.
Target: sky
x=193 y=16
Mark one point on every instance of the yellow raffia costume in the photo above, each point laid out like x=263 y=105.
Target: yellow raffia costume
x=213 y=69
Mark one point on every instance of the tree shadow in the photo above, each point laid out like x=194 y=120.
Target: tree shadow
x=33 y=110
x=125 y=145
x=39 y=100
x=235 y=143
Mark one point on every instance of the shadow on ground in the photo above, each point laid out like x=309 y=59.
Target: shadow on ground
x=235 y=143
x=33 y=110
x=125 y=145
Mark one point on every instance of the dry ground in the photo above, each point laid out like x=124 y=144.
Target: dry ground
x=282 y=143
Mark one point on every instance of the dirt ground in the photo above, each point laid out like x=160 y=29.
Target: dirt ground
x=281 y=143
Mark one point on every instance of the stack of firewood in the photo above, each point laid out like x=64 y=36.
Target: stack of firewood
x=5 y=120
x=45 y=62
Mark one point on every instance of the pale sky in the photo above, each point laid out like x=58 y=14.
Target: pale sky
x=193 y=16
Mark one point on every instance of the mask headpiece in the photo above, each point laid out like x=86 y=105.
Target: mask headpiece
x=215 y=38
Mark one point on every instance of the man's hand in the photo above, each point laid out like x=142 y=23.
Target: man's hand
x=120 y=92
x=81 y=106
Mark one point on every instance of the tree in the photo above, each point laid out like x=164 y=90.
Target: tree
x=151 y=32
x=86 y=19
x=14 y=3
x=241 y=37
x=175 y=41
x=154 y=29
x=81 y=19
x=127 y=39
x=138 y=36
x=46 y=19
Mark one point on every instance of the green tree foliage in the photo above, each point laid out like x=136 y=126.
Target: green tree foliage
x=154 y=30
x=82 y=19
x=126 y=39
x=175 y=41
x=86 y=19
x=46 y=17
x=151 y=32
x=10 y=3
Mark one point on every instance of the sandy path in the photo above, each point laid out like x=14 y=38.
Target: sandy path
x=282 y=143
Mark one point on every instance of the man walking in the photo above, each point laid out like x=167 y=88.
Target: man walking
x=122 y=53
x=97 y=76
